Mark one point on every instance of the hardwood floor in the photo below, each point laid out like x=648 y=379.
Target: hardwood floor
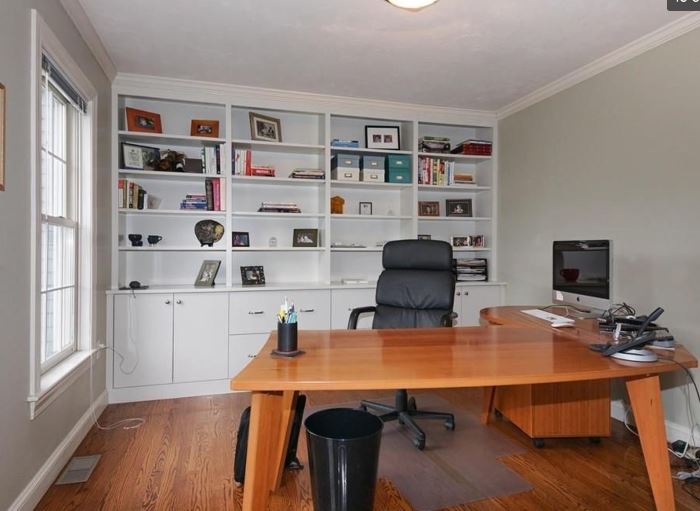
x=182 y=457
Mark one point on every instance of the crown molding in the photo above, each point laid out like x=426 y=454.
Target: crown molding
x=242 y=95
x=645 y=43
x=87 y=31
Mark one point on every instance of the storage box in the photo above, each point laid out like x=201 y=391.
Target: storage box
x=398 y=168
x=345 y=167
x=372 y=175
x=373 y=169
x=474 y=148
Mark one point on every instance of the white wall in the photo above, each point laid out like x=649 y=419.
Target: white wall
x=25 y=445
x=617 y=156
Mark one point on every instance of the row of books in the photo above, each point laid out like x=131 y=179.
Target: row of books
x=472 y=270
x=131 y=195
x=211 y=160
x=438 y=172
x=213 y=198
x=279 y=207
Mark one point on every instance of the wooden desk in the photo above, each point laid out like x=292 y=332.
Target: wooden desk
x=578 y=409
x=436 y=358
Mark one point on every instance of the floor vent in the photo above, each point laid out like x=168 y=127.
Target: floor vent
x=79 y=469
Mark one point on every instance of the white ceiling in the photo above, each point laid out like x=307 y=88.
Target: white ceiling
x=479 y=54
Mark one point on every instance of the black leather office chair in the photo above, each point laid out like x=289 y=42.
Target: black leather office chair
x=415 y=290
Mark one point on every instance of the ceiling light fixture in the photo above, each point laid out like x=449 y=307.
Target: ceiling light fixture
x=412 y=5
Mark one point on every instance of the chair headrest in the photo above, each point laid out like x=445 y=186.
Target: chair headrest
x=417 y=255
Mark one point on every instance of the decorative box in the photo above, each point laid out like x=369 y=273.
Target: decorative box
x=474 y=148
x=345 y=167
x=373 y=168
x=398 y=168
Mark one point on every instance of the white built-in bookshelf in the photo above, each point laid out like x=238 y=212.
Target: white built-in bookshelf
x=306 y=143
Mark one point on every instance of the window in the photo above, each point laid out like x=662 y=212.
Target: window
x=62 y=110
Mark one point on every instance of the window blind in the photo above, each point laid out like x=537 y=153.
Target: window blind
x=53 y=72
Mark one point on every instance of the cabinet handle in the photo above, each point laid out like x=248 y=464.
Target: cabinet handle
x=167 y=302
x=256 y=312
x=178 y=301
x=466 y=293
x=459 y=294
x=307 y=310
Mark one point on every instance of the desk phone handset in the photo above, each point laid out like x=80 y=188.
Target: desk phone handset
x=629 y=349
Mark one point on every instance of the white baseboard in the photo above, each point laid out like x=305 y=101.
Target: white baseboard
x=674 y=431
x=168 y=391
x=49 y=471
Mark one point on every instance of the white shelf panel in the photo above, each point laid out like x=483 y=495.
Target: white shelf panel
x=167 y=176
x=370 y=217
x=470 y=249
x=277 y=147
x=184 y=212
x=357 y=249
x=368 y=185
x=454 y=188
x=278 y=249
x=454 y=219
x=277 y=181
x=367 y=151
x=158 y=248
x=164 y=138
x=281 y=286
x=461 y=158
x=260 y=214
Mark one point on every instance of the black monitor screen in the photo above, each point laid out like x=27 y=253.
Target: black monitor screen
x=582 y=267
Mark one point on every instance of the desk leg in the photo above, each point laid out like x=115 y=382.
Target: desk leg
x=271 y=414
x=487 y=404
x=645 y=396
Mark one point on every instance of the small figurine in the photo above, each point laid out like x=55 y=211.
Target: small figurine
x=337 y=204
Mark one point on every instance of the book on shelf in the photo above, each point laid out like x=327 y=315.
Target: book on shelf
x=210 y=200
x=262 y=170
x=436 y=171
x=211 y=159
x=351 y=144
x=474 y=147
x=242 y=162
x=429 y=144
x=131 y=195
x=308 y=174
x=279 y=207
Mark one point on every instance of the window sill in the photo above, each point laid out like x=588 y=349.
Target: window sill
x=57 y=379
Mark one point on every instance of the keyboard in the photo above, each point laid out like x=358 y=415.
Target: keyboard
x=548 y=316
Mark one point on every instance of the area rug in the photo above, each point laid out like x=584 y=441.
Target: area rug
x=456 y=467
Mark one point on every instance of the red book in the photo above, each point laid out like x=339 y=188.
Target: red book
x=248 y=162
x=217 y=194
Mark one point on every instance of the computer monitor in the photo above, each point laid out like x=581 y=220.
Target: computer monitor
x=582 y=273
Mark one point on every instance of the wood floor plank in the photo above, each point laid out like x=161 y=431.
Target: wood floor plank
x=182 y=459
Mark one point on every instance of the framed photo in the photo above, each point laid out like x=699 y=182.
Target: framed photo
x=240 y=239
x=265 y=128
x=204 y=128
x=428 y=208
x=140 y=157
x=425 y=237
x=458 y=207
x=365 y=208
x=479 y=241
x=252 y=275
x=207 y=273
x=305 y=238
x=141 y=120
x=382 y=137
x=2 y=137
x=462 y=241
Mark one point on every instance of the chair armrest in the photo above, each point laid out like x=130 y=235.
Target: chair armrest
x=448 y=319
x=355 y=315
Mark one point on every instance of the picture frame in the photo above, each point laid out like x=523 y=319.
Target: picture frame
x=428 y=208
x=383 y=137
x=240 y=239
x=479 y=241
x=139 y=157
x=207 y=273
x=262 y=127
x=2 y=137
x=204 y=128
x=143 y=121
x=458 y=207
x=425 y=237
x=365 y=208
x=462 y=241
x=305 y=238
x=252 y=275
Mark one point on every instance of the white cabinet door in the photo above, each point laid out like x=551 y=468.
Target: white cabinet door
x=200 y=337
x=242 y=349
x=345 y=300
x=256 y=311
x=143 y=336
x=475 y=298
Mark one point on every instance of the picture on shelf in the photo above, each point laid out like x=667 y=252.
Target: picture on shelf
x=479 y=241
x=428 y=208
x=138 y=157
x=365 y=208
x=204 y=128
x=265 y=128
x=425 y=237
x=382 y=137
x=462 y=241
x=458 y=207
x=143 y=121
x=240 y=239
x=207 y=273
x=252 y=276
x=305 y=238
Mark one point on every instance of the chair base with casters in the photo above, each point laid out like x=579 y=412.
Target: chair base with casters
x=405 y=411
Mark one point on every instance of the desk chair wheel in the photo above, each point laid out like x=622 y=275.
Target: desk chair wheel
x=538 y=442
x=419 y=443
x=595 y=440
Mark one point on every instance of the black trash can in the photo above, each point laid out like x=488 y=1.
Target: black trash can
x=343 y=458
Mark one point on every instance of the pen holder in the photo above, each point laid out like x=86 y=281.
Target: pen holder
x=287 y=340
